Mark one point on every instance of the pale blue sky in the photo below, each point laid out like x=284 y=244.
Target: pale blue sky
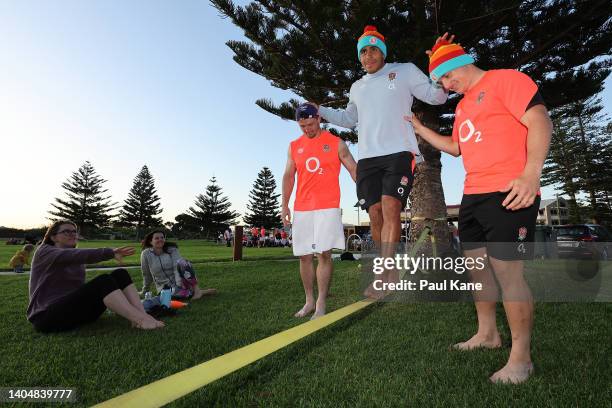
x=127 y=83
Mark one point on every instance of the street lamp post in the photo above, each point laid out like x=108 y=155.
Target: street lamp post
x=357 y=208
x=558 y=211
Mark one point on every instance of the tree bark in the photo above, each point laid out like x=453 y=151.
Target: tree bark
x=428 y=207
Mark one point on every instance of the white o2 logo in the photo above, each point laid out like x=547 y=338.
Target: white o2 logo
x=313 y=168
x=464 y=137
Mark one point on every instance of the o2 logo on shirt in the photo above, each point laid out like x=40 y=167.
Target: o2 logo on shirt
x=467 y=130
x=313 y=165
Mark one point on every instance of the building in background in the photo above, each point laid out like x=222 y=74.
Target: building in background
x=553 y=211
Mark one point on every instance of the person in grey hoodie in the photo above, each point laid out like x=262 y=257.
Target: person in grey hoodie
x=387 y=144
x=60 y=299
x=159 y=262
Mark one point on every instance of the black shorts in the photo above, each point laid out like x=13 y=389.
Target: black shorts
x=507 y=235
x=84 y=305
x=384 y=175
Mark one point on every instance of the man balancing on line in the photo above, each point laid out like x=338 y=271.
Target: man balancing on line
x=317 y=220
x=502 y=130
x=387 y=144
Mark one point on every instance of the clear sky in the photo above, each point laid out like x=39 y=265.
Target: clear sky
x=128 y=83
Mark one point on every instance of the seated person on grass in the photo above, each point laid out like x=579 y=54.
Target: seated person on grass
x=21 y=258
x=59 y=297
x=162 y=264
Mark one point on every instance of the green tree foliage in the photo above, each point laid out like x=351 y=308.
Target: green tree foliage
x=186 y=226
x=86 y=202
x=211 y=211
x=309 y=47
x=579 y=159
x=142 y=206
x=560 y=165
x=263 y=206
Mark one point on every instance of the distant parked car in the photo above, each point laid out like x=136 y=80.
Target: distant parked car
x=584 y=241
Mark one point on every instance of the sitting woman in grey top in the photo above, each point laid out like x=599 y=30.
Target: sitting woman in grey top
x=159 y=262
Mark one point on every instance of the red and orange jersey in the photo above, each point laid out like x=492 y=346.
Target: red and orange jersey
x=492 y=140
x=318 y=169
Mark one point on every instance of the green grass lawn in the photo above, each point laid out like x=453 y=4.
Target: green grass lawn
x=385 y=355
x=194 y=250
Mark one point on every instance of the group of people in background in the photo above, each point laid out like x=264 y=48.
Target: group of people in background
x=259 y=237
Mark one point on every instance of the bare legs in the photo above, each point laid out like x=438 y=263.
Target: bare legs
x=518 y=305
x=385 y=225
x=485 y=300
x=126 y=303
x=323 y=277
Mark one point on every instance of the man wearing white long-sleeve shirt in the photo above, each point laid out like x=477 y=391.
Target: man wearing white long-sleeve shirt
x=387 y=143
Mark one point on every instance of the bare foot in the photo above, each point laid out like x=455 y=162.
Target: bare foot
x=148 y=323
x=319 y=311
x=513 y=373
x=198 y=293
x=317 y=314
x=307 y=309
x=372 y=293
x=479 y=341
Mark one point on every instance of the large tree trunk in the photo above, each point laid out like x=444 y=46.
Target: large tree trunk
x=428 y=207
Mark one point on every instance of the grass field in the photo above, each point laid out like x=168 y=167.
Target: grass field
x=194 y=250
x=387 y=355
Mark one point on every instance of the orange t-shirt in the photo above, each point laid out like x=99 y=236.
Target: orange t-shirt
x=492 y=140
x=318 y=168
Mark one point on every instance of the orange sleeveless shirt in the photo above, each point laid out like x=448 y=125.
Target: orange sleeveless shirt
x=318 y=169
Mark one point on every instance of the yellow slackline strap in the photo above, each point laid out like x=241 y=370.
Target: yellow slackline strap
x=168 y=389
x=426 y=218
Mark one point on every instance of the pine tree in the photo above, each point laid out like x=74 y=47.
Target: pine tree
x=603 y=181
x=186 y=226
x=86 y=203
x=591 y=133
x=560 y=167
x=579 y=158
x=309 y=49
x=263 y=205
x=212 y=210
x=142 y=206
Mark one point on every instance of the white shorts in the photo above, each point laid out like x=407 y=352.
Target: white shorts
x=317 y=231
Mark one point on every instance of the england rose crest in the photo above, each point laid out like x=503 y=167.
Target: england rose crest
x=522 y=233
